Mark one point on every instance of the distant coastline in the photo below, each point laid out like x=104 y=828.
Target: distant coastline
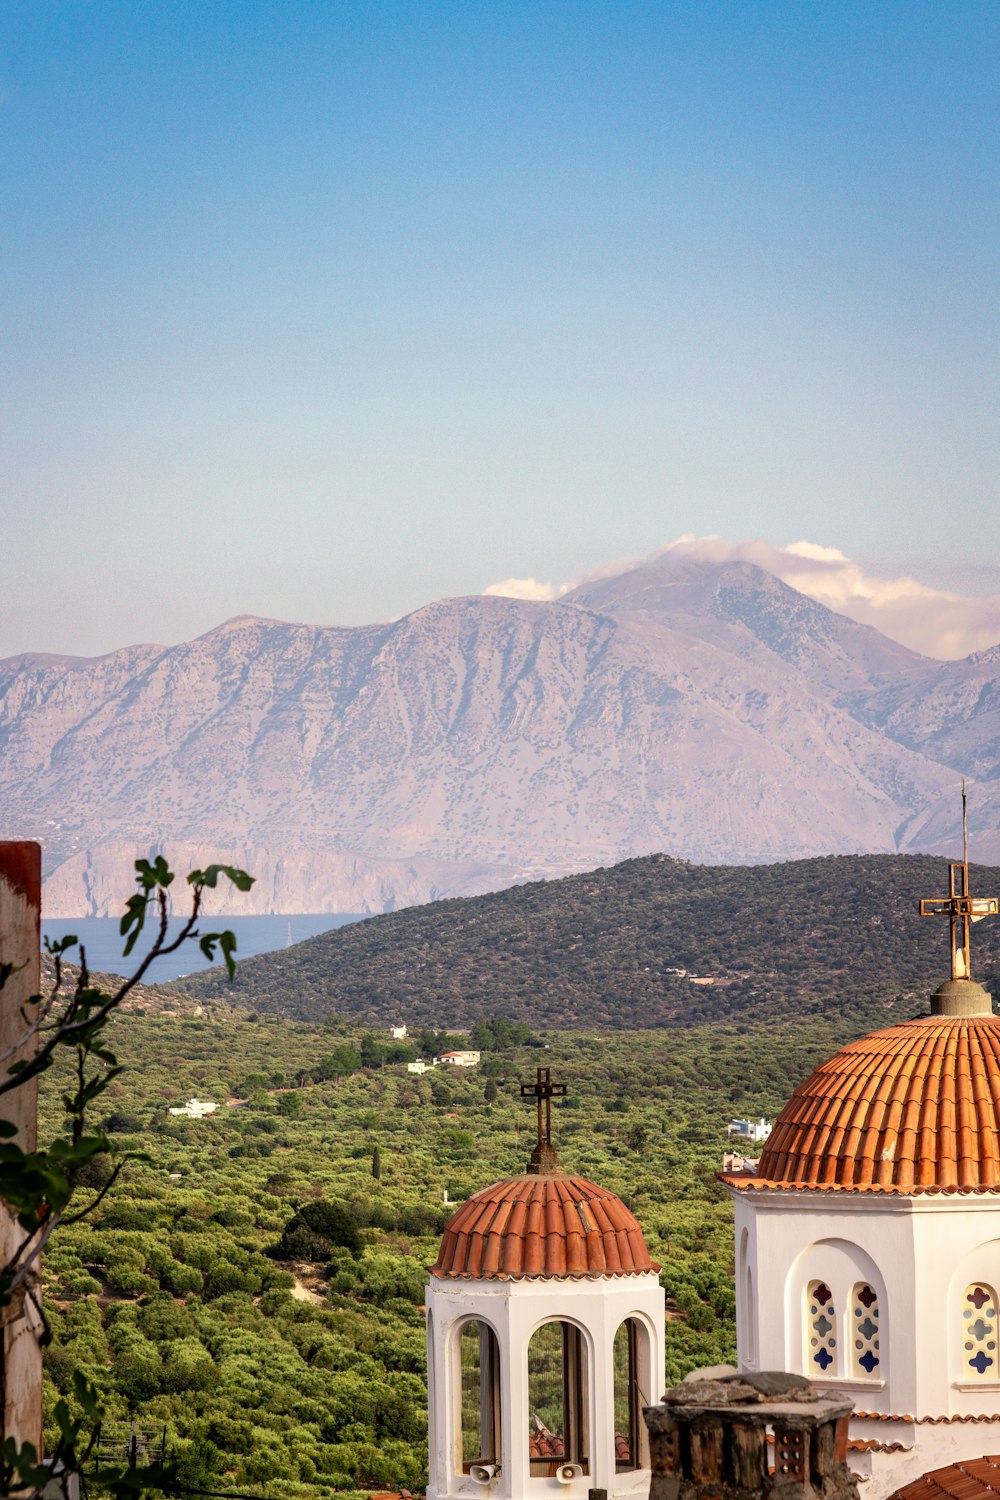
x=261 y=934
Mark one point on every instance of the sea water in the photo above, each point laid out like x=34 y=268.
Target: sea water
x=104 y=943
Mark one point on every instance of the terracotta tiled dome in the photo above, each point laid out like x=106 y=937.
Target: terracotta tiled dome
x=913 y=1108
x=542 y=1225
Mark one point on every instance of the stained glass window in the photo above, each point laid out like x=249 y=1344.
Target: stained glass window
x=979 y=1332
x=864 y=1330
x=821 y=1329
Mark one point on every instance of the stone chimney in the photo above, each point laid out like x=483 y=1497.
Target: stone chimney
x=744 y=1437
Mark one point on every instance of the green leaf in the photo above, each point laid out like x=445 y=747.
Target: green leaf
x=6 y=970
x=60 y=945
x=132 y=920
x=67 y=1427
x=226 y=942
x=159 y=1478
x=210 y=877
x=150 y=876
x=88 y=1396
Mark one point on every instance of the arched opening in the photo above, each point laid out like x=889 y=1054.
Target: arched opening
x=558 y=1419
x=979 y=1333
x=431 y=1361
x=630 y=1358
x=838 y=1314
x=750 y=1320
x=866 y=1357
x=479 y=1387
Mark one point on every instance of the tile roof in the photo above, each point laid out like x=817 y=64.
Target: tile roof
x=550 y=1445
x=545 y=1445
x=531 y=1225
x=913 y=1108
x=891 y=1416
x=972 y=1479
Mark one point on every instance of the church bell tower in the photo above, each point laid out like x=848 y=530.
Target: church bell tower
x=545 y=1338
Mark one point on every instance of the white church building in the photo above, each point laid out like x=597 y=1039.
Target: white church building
x=868 y=1237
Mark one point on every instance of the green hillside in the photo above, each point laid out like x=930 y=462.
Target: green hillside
x=597 y=950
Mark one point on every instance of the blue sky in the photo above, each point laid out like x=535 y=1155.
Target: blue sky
x=321 y=310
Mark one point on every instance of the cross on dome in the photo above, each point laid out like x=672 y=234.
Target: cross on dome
x=543 y=1158
x=961 y=908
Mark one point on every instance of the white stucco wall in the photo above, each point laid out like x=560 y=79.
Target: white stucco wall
x=920 y=1253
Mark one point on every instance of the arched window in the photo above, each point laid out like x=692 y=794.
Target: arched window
x=431 y=1378
x=979 y=1332
x=479 y=1358
x=865 y=1358
x=821 y=1329
x=630 y=1358
x=557 y=1399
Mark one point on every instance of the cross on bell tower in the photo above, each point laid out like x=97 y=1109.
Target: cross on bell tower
x=544 y=1161
x=959 y=906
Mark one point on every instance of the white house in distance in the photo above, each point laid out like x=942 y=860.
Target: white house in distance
x=750 y=1130
x=397 y=1033
x=545 y=1319
x=195 y=1109
x=458 y=1059
x=868 y=1237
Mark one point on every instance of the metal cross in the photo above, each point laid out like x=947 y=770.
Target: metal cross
x=961 y=908
x=543 y=1090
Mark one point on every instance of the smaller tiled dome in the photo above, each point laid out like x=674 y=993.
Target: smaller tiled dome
x=542 y=1225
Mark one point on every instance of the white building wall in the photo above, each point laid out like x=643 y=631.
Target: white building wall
x=920 y=1253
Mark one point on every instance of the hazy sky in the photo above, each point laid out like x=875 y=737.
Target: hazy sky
x=323 y=310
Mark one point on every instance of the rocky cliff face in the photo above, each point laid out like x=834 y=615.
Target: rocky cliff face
x=709 y=711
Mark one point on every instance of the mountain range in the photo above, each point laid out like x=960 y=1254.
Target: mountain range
x=705 y=710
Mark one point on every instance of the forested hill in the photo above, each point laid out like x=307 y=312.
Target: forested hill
x=597 y=950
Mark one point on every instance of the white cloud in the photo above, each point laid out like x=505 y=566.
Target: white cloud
x=934 y=621
x=526 y=588
x=937 y=622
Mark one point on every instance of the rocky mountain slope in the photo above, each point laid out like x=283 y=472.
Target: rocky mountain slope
x=706 y=710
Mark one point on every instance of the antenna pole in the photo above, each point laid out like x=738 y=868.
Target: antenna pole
x=965 y=832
